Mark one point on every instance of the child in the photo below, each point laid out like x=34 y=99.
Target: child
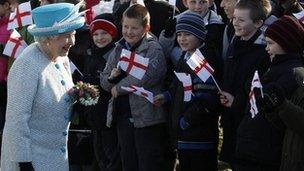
x=105 y=144
x=140 y=125
x=245 y=55
x=259 y=141
x=194 y=123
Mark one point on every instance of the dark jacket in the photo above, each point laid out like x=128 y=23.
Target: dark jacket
x=292 y=114
x=94 y=65
x=244 y=57
x=201 y=112
x=259 y=141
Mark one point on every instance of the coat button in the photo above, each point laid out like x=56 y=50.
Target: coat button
x=62 y=82
x=62 y=149
x=66 y=116
x=131 y=120
x=65 y=133
x=57 y=66
x=67 y=99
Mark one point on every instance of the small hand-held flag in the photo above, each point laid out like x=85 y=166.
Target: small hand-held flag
x=21 y=16
x=15 y=45
x=140 y=91
x=256 y=83
x=187 y=84
x=201 y=67
x=133 y=64
x=300 y=16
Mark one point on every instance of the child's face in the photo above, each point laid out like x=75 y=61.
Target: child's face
x=228 y=6
x=13 y=4
x=273 y=48
x=4 y=9
x=133 y=30
x=197 y=6
x=243 y=24
x=101 y=38
x=187 y=41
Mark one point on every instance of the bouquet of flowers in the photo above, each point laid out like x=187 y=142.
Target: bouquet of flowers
x=84 y=93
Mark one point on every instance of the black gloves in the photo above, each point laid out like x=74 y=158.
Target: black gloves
x=170 y=27
x=274 y=96
x=26 y=166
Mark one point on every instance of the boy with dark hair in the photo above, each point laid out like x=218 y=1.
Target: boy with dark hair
x=245 y=55
x=140 y=125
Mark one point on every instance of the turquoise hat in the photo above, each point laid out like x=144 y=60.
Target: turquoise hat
x=54 y=19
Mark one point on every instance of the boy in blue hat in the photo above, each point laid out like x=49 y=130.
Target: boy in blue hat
x=194 y=123
x=140 y=125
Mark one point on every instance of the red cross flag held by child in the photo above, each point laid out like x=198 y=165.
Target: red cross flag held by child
x=140 y=91
x=15 y=45
x=187 y=84
x=300 y=16
x=201 y=67
x=256 y=83
x=21 y=16
x=133 y=64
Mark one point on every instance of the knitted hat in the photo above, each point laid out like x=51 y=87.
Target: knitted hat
x=192 y=23
x=288 y=33
x=105 y=22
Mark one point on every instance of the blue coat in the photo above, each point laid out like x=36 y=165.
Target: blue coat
x=38 y=112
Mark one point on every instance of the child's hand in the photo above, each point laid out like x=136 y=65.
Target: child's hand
x=114 y=73
x=114 y=92
x=158 y=100
x=226 y=98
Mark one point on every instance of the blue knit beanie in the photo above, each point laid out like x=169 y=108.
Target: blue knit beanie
x=192 y=23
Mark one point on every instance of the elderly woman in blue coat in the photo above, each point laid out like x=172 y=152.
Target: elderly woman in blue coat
x=38 y=109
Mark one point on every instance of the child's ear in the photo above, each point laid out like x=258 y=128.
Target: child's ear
x=185 y=3
x=147 y=28
x=258 y=23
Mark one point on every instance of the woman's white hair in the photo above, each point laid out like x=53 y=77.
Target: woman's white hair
x=43 y=39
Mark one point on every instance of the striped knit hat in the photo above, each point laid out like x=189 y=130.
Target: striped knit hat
x=192 y=23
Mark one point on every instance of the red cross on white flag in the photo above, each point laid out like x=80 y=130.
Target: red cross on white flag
x=133 y=64
x=300 y=16
x=91 y=13
x=15 y=45
x=21 y=16
x=187 y=84
x=256 y=83
x=200 y=66
x=140 y=91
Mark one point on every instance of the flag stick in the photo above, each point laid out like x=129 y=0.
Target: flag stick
x=218 y=87
x=262 y=94
x=173 y=11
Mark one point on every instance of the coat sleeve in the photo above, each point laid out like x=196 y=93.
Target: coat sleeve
x=23 y=81
x=155 y=72
x=111 y=63
x=293 y=117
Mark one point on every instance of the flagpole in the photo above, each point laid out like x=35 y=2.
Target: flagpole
x=218 y=87
x=174 y=11
x=262 y=94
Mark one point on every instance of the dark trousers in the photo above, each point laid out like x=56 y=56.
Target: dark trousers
x=152 y=147
x=125 y=134
x=106 y=149
x=247 y=166
x=197 y=160
x=142 y=149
